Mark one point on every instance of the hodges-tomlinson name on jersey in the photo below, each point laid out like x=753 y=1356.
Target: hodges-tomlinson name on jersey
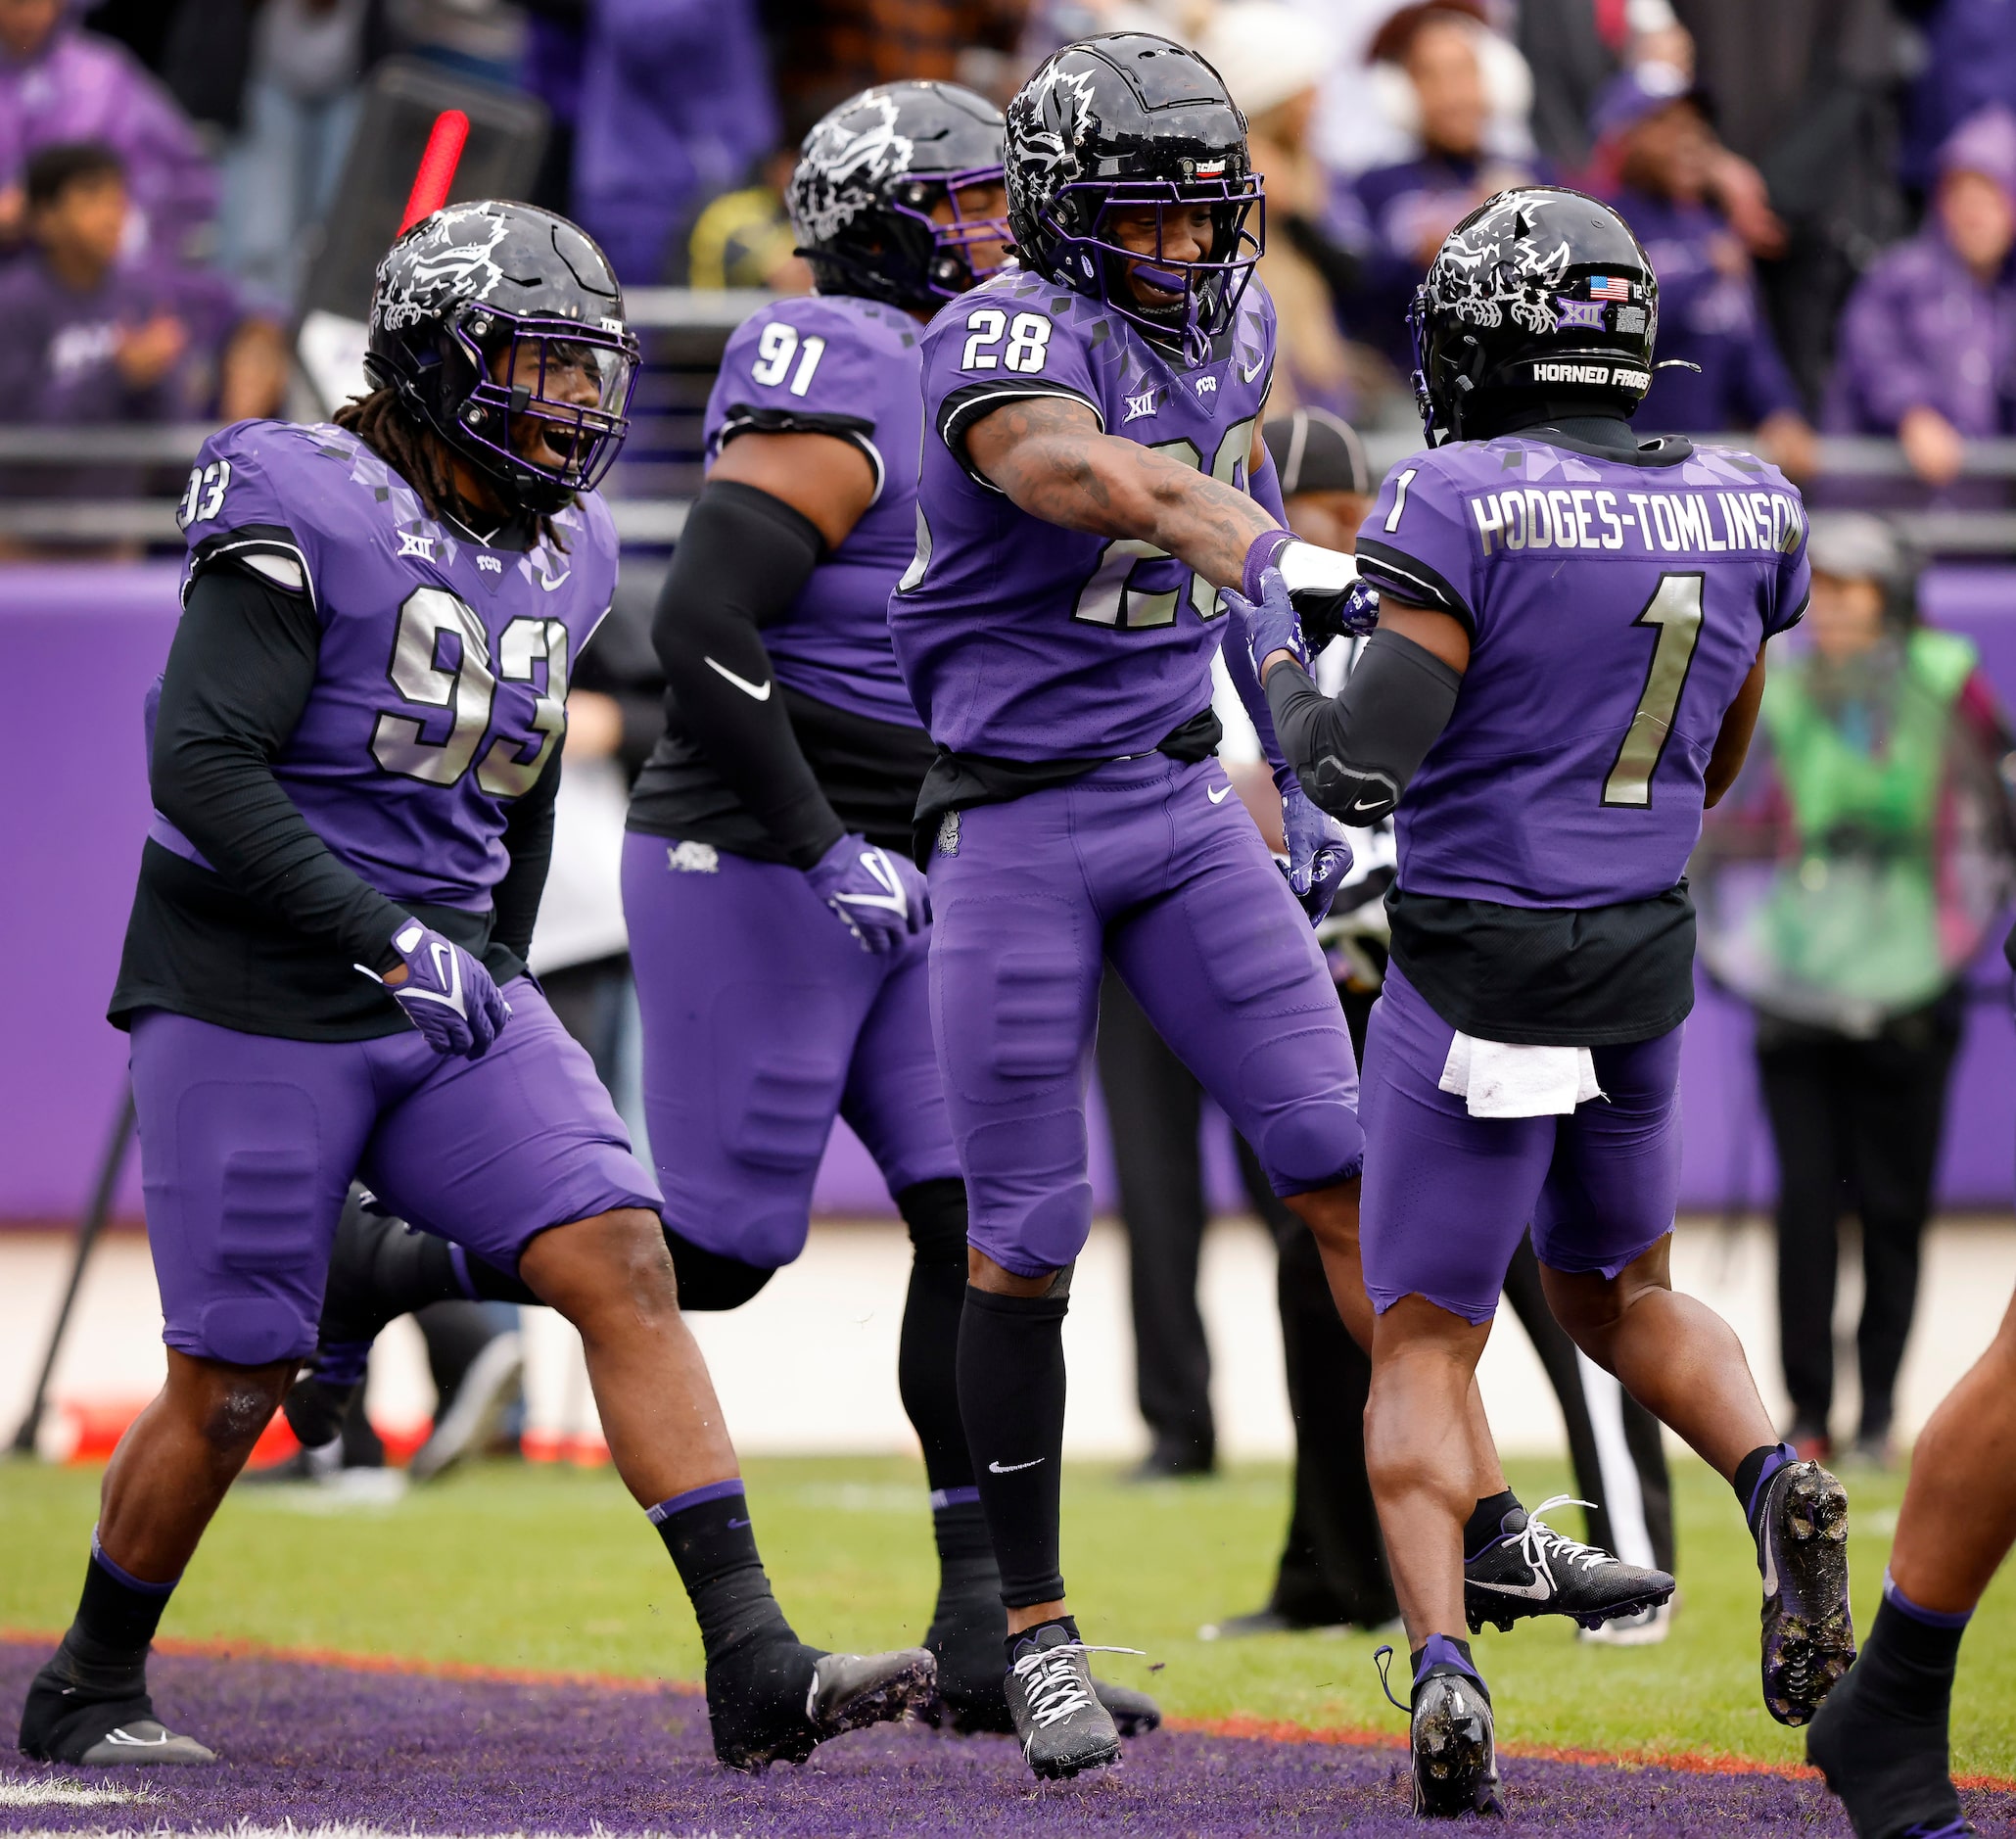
x=1579 y=517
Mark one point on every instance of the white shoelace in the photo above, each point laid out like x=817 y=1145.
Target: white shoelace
x=1054 y=1686
x=1539 y=1543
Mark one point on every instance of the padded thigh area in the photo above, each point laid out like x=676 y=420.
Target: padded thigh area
x=1016 y=963
x=1227 y=966
x=246 y=1145
x=755 y=999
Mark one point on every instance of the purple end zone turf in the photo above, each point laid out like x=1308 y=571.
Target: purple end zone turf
x=315 y=1744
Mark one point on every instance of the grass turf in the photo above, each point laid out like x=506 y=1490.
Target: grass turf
x=550 y=1567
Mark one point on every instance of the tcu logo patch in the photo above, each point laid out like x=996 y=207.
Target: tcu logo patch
x=489 y=565
x=1207 y=386
x=948 y=833
x=692 y=858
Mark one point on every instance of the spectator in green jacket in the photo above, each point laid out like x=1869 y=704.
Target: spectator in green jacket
x=1879 y=795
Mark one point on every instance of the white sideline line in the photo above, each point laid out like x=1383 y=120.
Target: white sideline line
x=60 y=1791
x=245 y=1830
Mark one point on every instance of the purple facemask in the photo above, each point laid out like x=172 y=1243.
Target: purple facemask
x=952 y=243
x=1209 y=290
x=549 y=363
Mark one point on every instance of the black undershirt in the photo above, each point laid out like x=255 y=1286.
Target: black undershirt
x=267 y=938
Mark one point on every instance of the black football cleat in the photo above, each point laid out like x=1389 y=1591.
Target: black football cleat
x=1809 y=1636
x=1892 y=1776
x=1058 y=1720
x=1452 y=1739
x=965 y=1636
x=1531 y=1570
x=781 y=1703
x=62 y=1722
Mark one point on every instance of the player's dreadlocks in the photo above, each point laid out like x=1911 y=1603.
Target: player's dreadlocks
x=401 y=441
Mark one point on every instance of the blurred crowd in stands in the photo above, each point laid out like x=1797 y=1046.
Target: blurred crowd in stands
x=1827 y=187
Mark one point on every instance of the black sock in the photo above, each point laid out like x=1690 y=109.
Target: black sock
x=1026 y=1638
x=708 y=1534
x=1486 y=1523
x=1011 y=1399
x=709 y=1280
x=1882 y=1738
x=1753 y=1472
x=928 y=1357
x=1441 y=1648
x=118 y=1614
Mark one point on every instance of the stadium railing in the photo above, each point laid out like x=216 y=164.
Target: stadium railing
x=684 y=331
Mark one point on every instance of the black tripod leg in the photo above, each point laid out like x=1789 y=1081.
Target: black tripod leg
x=89 y=1230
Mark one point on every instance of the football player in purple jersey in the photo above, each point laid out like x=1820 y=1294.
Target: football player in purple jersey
x=1092 y=478
x=1568 y=666
x=777 y=928
x=355 y=751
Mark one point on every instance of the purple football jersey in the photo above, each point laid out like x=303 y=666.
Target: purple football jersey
x=441 y=690
x=846 y=367
x=1021 y=640
x=1614 y=609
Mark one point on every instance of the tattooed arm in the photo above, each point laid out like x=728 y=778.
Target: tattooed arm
x=1046 y=453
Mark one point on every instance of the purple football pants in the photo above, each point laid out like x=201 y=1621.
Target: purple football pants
x=1447 y=1195
x=764 y=1020
x=249 y=1143
x=1156 y=866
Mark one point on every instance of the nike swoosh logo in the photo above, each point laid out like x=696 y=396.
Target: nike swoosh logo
x=1259 y=365
x=733 y=1524
x=130 y=1742
x=551 y=582
x=1218 y=794
x=760 y=692
x=1539 y=1590
x=1367 y=804
x=1008 y=1468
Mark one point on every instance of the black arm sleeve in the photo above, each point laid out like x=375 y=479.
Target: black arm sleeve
x=741 y=560
x=1355 y=754
x=528 y=836
x=239 y=674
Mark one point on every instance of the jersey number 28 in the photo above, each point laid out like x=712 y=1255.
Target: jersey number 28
x=1129 y=602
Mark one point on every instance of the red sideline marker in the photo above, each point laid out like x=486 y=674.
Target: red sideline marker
x=445 y=143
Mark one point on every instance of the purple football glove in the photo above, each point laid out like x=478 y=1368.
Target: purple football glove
x=1270 y=621
x=447 y=993
x=1318 y=855
x=879 y=897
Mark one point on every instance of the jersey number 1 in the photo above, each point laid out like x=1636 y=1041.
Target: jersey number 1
x=1674 y=613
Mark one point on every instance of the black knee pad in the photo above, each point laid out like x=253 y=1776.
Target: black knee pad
x=935 y=1211
x=709 y=1280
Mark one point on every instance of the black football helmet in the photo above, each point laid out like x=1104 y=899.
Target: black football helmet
x=489 y=315
x=867 y=180
x=1122 y=120
x=1540 y=291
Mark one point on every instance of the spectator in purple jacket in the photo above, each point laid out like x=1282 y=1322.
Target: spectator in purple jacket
x=1928 y=343
x=60 y=83
x=1465 y=91
x=1970 y=63
x=676 y=106
x=1652 y=133
x=91 y=339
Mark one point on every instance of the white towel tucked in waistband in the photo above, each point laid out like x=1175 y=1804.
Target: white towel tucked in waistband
x=1498 y=1080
